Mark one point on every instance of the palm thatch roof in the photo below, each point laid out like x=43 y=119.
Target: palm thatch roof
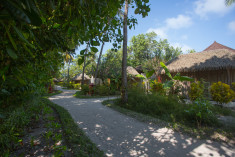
x=131 y=71
x=206 y=60
x=78 y=77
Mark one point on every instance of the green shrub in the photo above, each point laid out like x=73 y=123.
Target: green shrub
x=201 y=113
x=153 y=104
x=233 y=86
x=77 y=86
x=221 y=93
x=85 y=89
x=196 y=90
x=101 y=90
x=157 y=87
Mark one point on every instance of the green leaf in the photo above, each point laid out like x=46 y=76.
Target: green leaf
x=95 y=43
x=166 y=70
x=34 y=18
x=80 y=60
x=150 y=73
x=168 y=84
x=11 y=53
x=94 y=49
x=140 y=76
x=119 y=31
x=82 y=52
x=11 y=39
x=185 y=78
x=22 y=36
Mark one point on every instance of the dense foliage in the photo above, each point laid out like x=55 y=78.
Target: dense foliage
x=196 y=90
x=221 y=93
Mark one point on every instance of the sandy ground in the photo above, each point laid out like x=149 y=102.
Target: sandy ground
x=119 y=135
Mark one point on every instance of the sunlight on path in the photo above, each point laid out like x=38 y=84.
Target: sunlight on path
x=120 y=135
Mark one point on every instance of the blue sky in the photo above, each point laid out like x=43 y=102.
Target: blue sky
x=189 y=24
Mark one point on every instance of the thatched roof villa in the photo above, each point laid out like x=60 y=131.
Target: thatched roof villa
x=215 y=63
x=78 y=78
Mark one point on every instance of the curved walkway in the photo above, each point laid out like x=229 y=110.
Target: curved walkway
x=120 y=135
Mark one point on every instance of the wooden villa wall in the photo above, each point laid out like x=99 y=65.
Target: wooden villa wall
x=224 y=75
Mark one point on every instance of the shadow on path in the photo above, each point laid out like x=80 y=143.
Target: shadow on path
x=120 y=135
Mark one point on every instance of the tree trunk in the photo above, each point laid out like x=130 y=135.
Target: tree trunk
x=124 y=56
x=84 y=65
x=98 y=63
x=68 y=71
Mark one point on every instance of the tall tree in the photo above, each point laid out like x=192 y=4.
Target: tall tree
x=98 y=62
x=124 y=56
x=84 y=64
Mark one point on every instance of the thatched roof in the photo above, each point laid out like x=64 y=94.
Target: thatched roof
x=131 y=71
x=78 y=77
x=205 y=60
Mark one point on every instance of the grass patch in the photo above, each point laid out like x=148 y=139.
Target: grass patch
x=80 y=95
x=53 y=93
x=79 y=143
x=198 y=120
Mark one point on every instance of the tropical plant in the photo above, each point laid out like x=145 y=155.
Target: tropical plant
x=221 y=93
x=84 y=89
x=196 y=90
x=157 y=87
x=201 y=113
x=177 y=77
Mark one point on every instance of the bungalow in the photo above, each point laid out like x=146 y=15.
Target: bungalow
x=215 y=63
x=78 y=78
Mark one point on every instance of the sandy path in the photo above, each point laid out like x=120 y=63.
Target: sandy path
x=120 y=135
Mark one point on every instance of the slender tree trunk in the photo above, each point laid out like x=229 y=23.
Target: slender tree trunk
x=84 y=65
x=124 y=56
x=98 y=63
x=68 y=71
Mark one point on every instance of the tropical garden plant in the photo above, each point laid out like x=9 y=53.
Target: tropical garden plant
x=221 y=93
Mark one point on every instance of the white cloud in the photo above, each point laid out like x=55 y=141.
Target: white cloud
x=205 y=7
x=231 y=26
x=183 y=47
x=161 y=32
x=181 y=21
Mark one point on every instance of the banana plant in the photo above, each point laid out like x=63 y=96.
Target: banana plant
x=177 y=77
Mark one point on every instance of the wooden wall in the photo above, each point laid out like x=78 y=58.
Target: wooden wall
x=224 y=75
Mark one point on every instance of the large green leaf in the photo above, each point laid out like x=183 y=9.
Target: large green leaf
x=168 y=84
x=18 y=32
x=82 y=52
x=150 y=73
x=183 y=78
x=80 y=60
x=11 y=53
x=94 y=49
x=167 y=72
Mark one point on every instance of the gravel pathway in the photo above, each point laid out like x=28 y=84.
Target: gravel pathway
x=120 y=135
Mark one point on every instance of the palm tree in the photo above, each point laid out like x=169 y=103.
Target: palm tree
x=229 y=2
x=68 y=59
x=124 y=56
